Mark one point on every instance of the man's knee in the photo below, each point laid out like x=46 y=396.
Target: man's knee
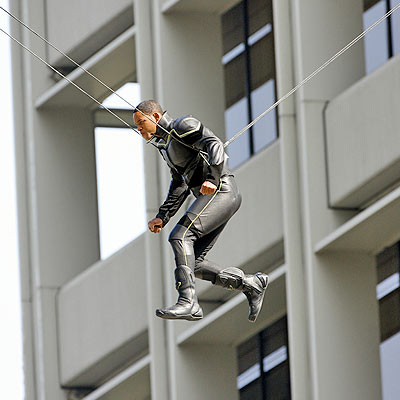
x=177 y=233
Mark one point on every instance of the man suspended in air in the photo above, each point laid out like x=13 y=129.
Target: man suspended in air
x=198 y=164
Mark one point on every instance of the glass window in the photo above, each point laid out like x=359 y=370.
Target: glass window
x=265 y=131
x=388 y=294
x=376 y=41
x=237 y=116
x=249 y=73
x=395 y=27
x=263 y=362
x=120 y=179
x=383 y=41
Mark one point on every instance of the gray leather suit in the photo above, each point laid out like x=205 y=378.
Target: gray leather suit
x=194 y=155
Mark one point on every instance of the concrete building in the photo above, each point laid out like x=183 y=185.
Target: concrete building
x=320 y=213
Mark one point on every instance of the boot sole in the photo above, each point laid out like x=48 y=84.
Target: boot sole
x=252 y=318
x=188 y=317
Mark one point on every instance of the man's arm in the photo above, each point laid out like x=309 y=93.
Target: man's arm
x=177 y=194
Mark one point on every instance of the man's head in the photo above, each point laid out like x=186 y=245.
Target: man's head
x=147 y=125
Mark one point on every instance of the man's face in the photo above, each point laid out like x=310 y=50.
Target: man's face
x=146 y=126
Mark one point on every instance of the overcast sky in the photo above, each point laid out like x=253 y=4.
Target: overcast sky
x=10 y=328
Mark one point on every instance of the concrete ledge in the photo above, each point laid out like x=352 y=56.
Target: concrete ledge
x=228 y=324
x=114 y=65
x=210 y=6
x=133 y=382
x=370 y=231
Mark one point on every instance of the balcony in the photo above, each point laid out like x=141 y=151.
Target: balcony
x=363 y=140
x=100 y=326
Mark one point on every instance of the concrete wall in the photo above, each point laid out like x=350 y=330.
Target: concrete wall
x=363 y=137
x=326 y=284
x=90 y=25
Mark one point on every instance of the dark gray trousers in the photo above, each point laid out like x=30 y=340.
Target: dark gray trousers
x=198 y=230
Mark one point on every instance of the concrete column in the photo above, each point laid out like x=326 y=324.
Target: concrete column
x=187 y=47
x=344 y=335
x=59 y=231
x=294 y=258
x=189 y=68
x=149 y=86
x=206 y=371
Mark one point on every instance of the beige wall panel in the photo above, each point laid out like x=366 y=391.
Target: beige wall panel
x=363 y=137
x=82 y=27
x=206 y=372
x=190 y=68
x=103 y=317
x=65 y=194
x=346 y=327
x=325 y=27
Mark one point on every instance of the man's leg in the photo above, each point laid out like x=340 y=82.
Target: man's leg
x=205 y=269
x=194 y=236
x=205 y=215
x=253 y=286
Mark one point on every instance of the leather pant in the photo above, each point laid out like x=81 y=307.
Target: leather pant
x=198 y=230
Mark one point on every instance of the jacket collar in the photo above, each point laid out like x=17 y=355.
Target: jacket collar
x=166 y=123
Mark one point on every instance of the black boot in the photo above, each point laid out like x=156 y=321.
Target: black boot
x=187 y=306
x=253 y=286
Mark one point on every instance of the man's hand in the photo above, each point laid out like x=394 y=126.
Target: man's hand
x=208 y=188
x=155 y=225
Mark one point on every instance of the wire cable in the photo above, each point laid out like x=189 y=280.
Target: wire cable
x=80 y=66
x=309 y=77
x=69 y=80
x=233 y=138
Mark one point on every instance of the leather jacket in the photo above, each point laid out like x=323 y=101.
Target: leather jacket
x=194 y=154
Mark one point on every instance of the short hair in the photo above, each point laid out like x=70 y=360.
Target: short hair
x=148 y=107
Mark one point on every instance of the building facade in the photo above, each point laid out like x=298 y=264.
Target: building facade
x=319 y=178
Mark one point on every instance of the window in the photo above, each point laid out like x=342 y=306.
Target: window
x=383 y=42
x=249 y=73
x=388 y=295
x=120 y=176
x=268 y=349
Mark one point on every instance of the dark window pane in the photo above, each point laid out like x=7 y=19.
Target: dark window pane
x=275 y=336
x=232 y=28
x=395 y=19
x=244 y=86
x=271 y=345
x=389 y=310
x=388 y=291
x=387 y=263
x=251 y=391
x=236 y=117
x=260 y=14
x=277 y=387
x=247 y=354
x=375 y=42
x=262 y=61
x=234 y=76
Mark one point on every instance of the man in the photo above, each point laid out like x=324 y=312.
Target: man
x=198 y=164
